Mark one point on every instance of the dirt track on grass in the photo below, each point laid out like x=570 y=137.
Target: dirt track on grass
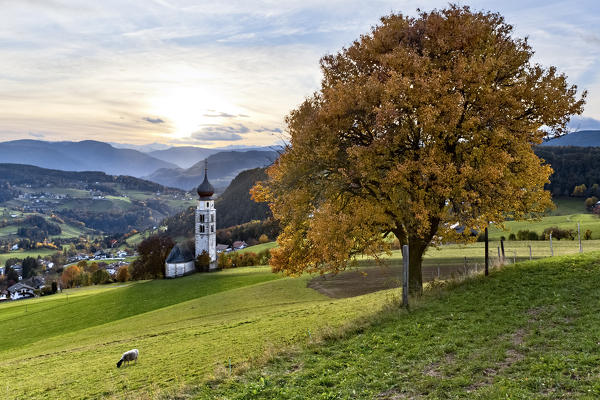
x=368 y=280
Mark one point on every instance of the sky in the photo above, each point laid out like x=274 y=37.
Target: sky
x=214 y=74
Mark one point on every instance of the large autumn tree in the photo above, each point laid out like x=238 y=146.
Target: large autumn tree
x=422 y=124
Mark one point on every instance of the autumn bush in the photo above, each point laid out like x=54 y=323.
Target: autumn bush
x=558 y=233
x=247 y=259
x=123 y=274
x=528 y=235
x=202 y=262
x=70 y=276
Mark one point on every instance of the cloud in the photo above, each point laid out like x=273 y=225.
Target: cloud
x=37 y=134
x=154 y=120
x=219 y=115
x=271 y=130
x=213 y=133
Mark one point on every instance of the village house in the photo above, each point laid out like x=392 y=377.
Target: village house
x=223 y=248
x=36 y=282
x=21 y=291
x=239 y=244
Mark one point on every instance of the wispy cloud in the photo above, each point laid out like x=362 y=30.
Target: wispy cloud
x=216 y=133
x=219 y=115
x=154 y=120
x=80 y=70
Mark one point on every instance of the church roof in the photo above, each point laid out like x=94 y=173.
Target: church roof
x=179 y=254
x=205 y=189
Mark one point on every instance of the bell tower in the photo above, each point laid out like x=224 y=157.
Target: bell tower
x=206 y=232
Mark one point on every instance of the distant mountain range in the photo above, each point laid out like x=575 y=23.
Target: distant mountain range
x=183 y=157
x=577 y=139
x=223 y=167
x=187 y=156
x=178 y=166
x=87 y=155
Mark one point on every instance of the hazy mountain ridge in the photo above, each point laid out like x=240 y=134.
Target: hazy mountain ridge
x=223 y=168
x=589 y=138
x=87 y=155
x=183 y=157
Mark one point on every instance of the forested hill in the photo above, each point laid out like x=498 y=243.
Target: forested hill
x=95 y=200
x=572 y=166
x=234 y=206
x=222 y=168
x=19 y=174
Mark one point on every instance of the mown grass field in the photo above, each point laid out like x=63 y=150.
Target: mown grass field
x=25 y=253
x=187 y=330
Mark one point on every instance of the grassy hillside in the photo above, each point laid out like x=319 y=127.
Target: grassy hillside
x=529 y=331
x=186 y=330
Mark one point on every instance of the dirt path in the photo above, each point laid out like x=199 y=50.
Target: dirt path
x=372 y=279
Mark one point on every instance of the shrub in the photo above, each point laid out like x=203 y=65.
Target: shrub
x=590 y=202
x=587 y=235
x=100 y=276
x=558 y=233
x=512 y=236
x=123 y=273
x=265 y=239
x=527 y=235
x=223 y=261
x=46 y=290
x=202 y=262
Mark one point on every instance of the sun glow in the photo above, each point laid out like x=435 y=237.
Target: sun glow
x=186 y=110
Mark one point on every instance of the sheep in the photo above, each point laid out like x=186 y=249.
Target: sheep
x=131 y=355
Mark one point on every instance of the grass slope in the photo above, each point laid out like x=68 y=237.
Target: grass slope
x=529 y=331
x=185 y=329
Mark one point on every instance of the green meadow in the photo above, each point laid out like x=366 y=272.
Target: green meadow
x=528 y=331
x=187 y=330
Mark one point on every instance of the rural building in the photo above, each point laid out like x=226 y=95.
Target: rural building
x=223 y=248
x=180 y=262
x=20 y=291
x=240 y=244
x=36 y=282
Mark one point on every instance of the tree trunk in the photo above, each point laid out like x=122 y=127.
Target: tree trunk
x=416 y=248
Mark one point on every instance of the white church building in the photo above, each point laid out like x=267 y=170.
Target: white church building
x=180 y=262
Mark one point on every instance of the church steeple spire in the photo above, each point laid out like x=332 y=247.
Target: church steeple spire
x=205 y=190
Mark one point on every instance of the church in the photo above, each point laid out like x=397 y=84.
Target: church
x=180 y=261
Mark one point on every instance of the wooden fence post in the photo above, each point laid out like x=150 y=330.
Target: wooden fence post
x=551 y=248
x=579 y=237
x=405 y=256
x=487 y=256
x=502 y=247
x=530 y=254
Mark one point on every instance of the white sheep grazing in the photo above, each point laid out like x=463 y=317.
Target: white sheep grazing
x=131 y=355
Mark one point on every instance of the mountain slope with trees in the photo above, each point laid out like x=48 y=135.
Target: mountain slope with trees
x=95 y=200
x=222 y=168
x=235 y=212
